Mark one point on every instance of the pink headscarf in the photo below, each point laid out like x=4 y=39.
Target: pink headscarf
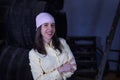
x=44 y=18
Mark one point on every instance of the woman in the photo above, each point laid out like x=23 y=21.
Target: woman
x=51 y=57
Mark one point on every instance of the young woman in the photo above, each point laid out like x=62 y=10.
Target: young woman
x=51 y=57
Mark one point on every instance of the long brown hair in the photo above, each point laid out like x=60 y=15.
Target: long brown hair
x=39 y=45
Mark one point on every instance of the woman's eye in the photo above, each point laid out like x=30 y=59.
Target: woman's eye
x=45 y=25
x=53 y=25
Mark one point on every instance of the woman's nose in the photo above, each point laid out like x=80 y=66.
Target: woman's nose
x=49 y=27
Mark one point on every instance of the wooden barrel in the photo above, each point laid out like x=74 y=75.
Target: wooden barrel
x=20 y=31
x=14 y=64
x=56 y=5
x=21 y=28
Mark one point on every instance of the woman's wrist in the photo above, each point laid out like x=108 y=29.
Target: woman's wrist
x=59 y=70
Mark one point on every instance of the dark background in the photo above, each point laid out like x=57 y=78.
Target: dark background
x=82 y=18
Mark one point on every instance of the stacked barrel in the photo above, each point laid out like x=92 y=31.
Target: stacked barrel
x=19 y=32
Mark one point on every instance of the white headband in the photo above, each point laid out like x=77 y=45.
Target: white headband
x=44 y=18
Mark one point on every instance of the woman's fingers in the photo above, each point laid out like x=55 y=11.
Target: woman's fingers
x=73 y=64
x=70 y=60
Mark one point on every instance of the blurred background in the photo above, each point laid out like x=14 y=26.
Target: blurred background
x=91 y=28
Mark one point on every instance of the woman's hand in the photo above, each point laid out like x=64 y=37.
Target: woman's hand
x=67 y=67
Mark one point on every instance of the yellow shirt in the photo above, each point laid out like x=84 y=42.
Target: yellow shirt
x=45 y=67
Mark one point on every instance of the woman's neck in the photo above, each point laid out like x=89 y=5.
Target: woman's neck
x=48 y=41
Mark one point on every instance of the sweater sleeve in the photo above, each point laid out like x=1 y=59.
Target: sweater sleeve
x=71 y=57
x=37 y=71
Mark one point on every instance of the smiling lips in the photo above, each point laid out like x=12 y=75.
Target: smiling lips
x=50 y=33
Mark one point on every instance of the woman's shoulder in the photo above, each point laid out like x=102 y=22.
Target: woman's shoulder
x=34 y=52
x=62 y=39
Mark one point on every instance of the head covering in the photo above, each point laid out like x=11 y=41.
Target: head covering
x=44 y=17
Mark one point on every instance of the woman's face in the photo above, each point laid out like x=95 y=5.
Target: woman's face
x=47 y=31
